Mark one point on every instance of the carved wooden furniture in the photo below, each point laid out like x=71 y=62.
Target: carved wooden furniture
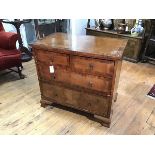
x=149 y=52
x=133 y=50
x=45 y=27
x=10 y=57
x=80 y=72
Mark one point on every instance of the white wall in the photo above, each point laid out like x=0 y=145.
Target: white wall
x=78 y=26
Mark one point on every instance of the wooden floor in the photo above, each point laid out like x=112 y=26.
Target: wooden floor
x=20 y=111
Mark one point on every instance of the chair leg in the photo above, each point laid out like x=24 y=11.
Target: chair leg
x=22 y=66
x=20 y=72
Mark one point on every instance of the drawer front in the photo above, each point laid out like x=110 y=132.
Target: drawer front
x=103 y=67
x=64 y=96
x=96 y=83
x=53 y=58
x=86 y=81
x=84 y=101
x=99 y=105
x=44 y=71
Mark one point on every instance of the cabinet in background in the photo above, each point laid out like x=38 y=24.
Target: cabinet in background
x=134 y=48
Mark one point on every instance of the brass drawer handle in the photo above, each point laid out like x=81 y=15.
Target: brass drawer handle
x=90 y=84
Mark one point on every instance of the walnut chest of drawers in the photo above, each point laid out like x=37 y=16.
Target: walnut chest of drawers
x=81 y=72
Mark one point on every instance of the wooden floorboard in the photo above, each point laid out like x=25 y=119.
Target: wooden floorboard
x=21 y=114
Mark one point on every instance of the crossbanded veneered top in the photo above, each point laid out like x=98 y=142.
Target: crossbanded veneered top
x=103 y=47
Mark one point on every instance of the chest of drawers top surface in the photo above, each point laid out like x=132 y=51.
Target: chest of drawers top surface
x=109 y=48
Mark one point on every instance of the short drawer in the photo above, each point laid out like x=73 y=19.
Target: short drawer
x=87 y=81
x=89 y=65
x=53 y=58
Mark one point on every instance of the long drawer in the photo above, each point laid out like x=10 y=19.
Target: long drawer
x=96 y=83
x=95 y=66
x=84 y=101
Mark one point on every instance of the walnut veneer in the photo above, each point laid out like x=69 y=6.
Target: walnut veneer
x=85 y=72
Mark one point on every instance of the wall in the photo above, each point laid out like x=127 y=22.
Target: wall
x=78 y=26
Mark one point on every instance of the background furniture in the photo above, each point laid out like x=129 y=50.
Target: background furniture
x=26 y=53
x=9 y=56
x=39 y=28
x=80 y=72
x=133 y=50
x=45 y=27
x=149 y=52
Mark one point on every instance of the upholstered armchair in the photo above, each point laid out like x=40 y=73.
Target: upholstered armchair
x=10 y=57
